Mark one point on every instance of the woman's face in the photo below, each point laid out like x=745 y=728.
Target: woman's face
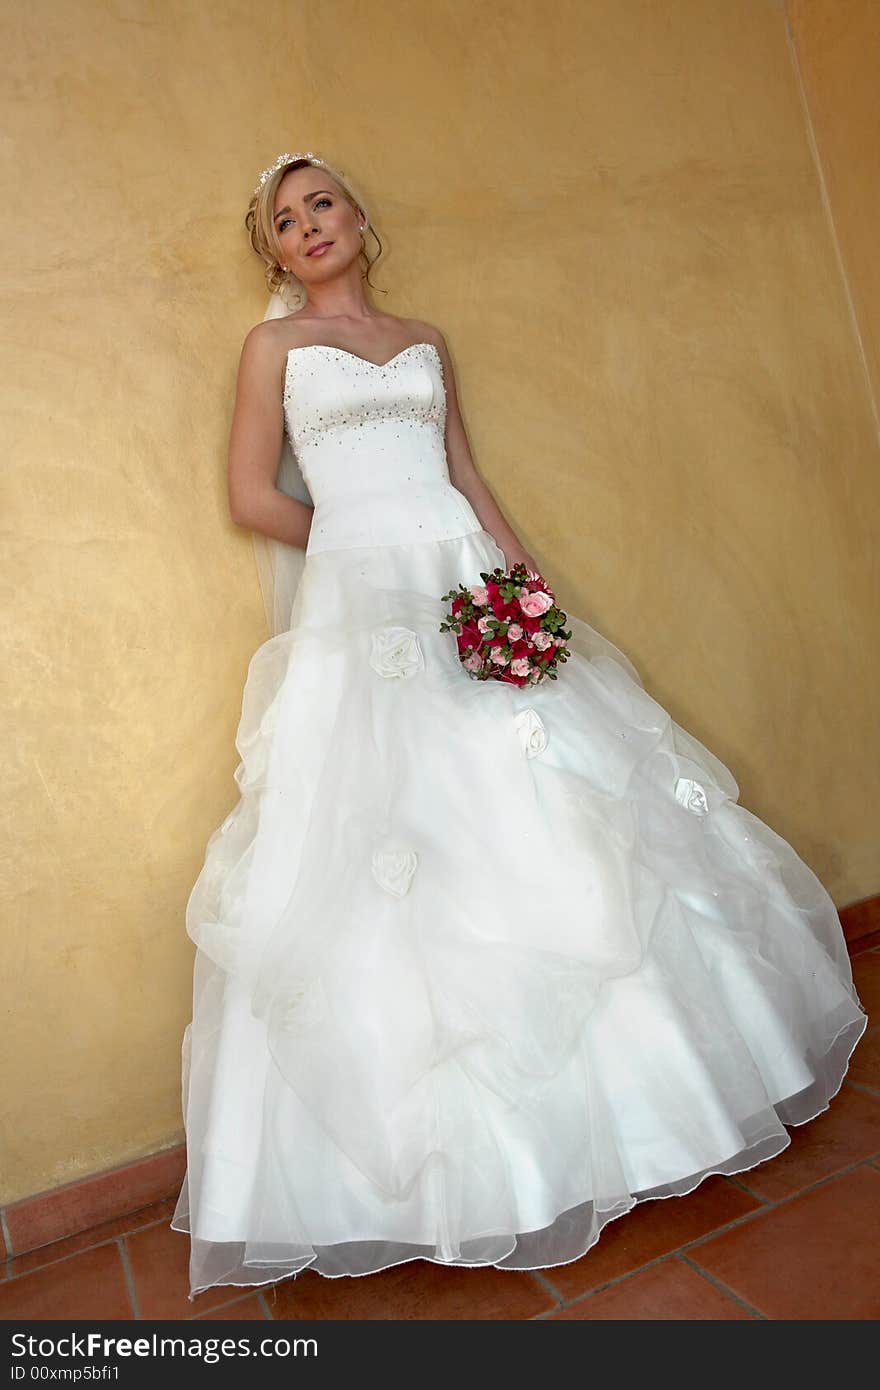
x=310 y=209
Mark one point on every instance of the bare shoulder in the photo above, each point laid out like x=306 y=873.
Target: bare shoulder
x=264 y=339
x=264 y=351
x=427 y=333
x=430 y=333
x=282 y=334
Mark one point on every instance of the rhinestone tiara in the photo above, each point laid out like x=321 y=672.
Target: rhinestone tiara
x=286 y=159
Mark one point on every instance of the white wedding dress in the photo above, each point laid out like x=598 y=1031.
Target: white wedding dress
x=478 y=967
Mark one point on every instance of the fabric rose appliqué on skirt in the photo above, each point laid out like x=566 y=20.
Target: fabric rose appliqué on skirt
x=396 y=653
x=393 y=867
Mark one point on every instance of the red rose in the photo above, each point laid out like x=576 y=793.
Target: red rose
x=511 y=679
x=470 y=636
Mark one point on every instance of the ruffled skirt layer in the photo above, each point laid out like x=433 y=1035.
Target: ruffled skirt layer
x=479 y=968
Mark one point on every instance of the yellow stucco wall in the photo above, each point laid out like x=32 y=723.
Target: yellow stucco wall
x=614 y=214
x=837 y=47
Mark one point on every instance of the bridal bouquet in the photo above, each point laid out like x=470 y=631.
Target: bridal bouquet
x=509 y=628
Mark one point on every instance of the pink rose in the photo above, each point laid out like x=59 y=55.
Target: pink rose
x=514 y=632
x=534 y=604
x=480 y=594
x=473 y=662
x=483 y=625
x=542 y=640
x=520 y=666
x=497 y=655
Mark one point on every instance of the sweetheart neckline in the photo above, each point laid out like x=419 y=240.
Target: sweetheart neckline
x=367 y=361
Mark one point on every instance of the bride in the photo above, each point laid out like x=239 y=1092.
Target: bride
x=479 y=966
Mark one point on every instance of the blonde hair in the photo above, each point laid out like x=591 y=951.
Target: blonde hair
x=260 y=223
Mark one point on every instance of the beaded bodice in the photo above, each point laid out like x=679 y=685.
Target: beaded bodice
x=369 y=440
x=364 y=401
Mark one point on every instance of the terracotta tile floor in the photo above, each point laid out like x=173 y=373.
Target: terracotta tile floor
x=794 y=1238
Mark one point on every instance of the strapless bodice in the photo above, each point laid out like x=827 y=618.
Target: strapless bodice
x=369 y=439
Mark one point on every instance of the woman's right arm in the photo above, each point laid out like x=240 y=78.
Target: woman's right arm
x=255 y=442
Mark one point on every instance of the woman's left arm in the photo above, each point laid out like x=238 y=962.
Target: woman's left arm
x=463 y=471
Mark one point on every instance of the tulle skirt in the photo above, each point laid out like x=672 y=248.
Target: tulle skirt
x=480 y=967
